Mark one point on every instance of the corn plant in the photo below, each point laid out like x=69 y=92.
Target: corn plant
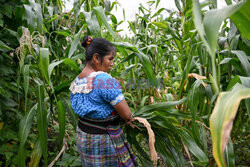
x=186 y=73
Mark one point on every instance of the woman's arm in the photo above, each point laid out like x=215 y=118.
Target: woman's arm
x=123 y=110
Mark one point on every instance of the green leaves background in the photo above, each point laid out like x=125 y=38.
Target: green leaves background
x=178 y=71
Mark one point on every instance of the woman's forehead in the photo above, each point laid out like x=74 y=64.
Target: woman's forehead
x=111 y=54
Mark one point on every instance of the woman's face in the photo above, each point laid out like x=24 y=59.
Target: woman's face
x=107 y=62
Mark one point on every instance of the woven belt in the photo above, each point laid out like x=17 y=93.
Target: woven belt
x=97 y=126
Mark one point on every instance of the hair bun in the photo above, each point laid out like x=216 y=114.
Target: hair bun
x=86 y=41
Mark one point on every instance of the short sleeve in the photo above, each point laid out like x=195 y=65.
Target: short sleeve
x=108 y=88
x=78 y=104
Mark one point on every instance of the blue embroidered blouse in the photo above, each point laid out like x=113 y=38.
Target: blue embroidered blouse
x=95 y=98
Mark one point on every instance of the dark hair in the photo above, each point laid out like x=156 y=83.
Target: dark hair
x=97 y=45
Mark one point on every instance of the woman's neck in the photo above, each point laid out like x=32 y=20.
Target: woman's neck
x=88 y=69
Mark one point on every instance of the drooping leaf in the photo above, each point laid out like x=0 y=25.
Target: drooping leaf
x=244 y=61
x=52 y=66
x=126 y=45
x=160 y=106
x=193 y=147
x=4 y=47
x=221 y=120
x=71 y=63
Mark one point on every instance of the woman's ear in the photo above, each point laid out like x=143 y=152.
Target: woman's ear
x=96 y=58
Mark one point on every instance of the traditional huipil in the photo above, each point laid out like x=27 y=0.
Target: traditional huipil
x=100 y=140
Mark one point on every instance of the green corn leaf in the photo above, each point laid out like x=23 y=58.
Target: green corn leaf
x=26 y=82
x=24 y=129
x=244 y=61
x=160 y=106
x=158 y=12
x=246 y=82
x=209 y=27
x=4 y=47
x=93 y=24
x=193 y=147
x=177 y=4
x=61 y=119
x=229 y=154
x=157 y=3
x=148 y=68
x=75 y=42
x=52 y=66
x=71 y=63
x=60 y=4
x=64 y=33
x=225 y=60
x=234 y=81
x=100 y=13
x=30 y=16
x=160 y=24
x=198 y=20
x=42 y=122
x=193 y=101
x=132 y=27
x=44 y=63
x=129 y=57
x=241 y=19
x=62 y=87
x=77 y=7
x=186 y=72
x=175 y=155
x=167 y=157
x=221 y=120
x=229 y=2
x=71 y=113
x=36 y=155
x=114 y=20
x=113 y=4
x=212 y=22
x=126 y=45
x=39 y=15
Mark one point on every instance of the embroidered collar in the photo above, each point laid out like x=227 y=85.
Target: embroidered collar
x=84 y=85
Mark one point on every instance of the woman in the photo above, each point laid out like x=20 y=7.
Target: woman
x=98 y=100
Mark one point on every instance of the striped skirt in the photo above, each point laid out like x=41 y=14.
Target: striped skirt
x=105 y=150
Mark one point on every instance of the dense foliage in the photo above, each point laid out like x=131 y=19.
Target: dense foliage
x=187 y=72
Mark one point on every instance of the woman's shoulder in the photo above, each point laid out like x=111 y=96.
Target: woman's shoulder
x=103 y=75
